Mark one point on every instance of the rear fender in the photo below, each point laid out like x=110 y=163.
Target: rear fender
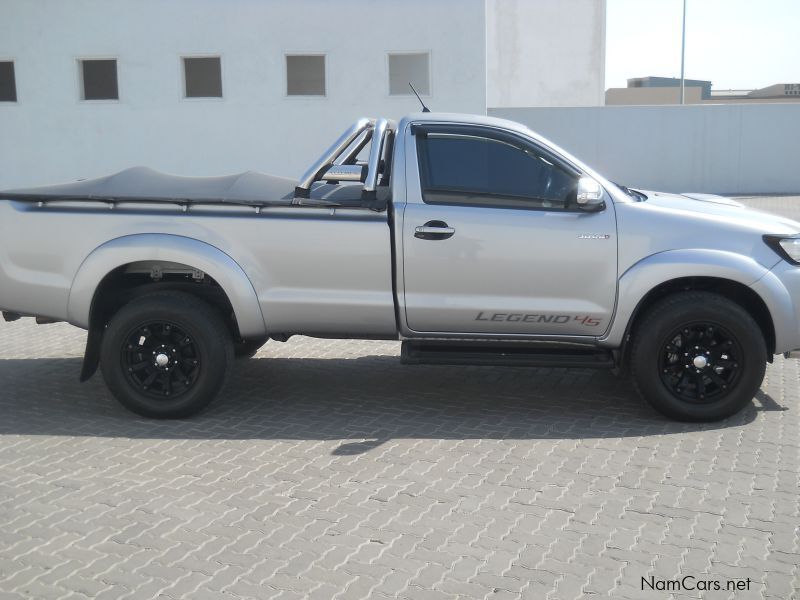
x=170 y=248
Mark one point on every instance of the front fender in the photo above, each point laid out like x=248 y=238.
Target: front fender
x=172 y=248
x=650 y=272
x=779 y=288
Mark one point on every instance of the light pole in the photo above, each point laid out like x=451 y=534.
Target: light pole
x=683 y=55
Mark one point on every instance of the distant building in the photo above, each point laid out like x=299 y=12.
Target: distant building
x=671 y=82
x=666 y=90
x=787 y=92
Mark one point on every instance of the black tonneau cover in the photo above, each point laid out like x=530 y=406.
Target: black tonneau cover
x=145 y=185
x=142 y=184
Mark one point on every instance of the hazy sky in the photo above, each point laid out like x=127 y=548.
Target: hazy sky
x=737 y=44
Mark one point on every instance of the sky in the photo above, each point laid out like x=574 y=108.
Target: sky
x=737 y=44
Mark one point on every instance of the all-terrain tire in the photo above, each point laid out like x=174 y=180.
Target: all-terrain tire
x=166 y=355
x=697 y=356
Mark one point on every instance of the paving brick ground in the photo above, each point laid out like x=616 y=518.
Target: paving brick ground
x=328 y=470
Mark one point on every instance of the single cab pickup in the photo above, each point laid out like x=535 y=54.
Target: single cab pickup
x=470 y=239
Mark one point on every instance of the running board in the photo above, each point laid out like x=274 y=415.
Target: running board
x=415 y=353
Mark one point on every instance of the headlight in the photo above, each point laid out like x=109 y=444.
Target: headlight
x=787 y=248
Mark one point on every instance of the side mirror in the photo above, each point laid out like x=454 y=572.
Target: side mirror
x=590 y=195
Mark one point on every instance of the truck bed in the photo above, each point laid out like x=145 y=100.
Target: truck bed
x=318 y=266
x=145 y=186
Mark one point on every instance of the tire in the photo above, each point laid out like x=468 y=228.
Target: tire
x=248 y=348
x=166 y=355
x=697 y=356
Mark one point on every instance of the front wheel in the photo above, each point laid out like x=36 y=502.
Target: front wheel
x=697 y=356
x=166 y=355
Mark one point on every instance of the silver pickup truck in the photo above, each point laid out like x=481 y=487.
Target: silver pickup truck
x=470 y=239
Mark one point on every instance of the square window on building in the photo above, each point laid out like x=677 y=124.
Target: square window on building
x=305 y=75
x=8 y=83
x=99 y=79
x=410 y=68
x=202 y=77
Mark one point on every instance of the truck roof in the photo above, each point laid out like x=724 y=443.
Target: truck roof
x=467 y=119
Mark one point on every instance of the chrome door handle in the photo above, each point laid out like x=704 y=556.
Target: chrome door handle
x=424 y=229
x=434 y=230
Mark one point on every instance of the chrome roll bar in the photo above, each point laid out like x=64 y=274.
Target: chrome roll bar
x=330 y=155
x=348 y=157
x=338 y=163
x=337 y=173
x=375 y=155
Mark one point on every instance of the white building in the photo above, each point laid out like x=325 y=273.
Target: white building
x=89 y=87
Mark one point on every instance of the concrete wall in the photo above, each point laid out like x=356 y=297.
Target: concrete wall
x=734 y=148
x=545 y=52
x=51 y=135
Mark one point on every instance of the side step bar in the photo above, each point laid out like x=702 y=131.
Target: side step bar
x=416 y=353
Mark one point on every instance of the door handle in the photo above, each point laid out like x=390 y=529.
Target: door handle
x=434 y=230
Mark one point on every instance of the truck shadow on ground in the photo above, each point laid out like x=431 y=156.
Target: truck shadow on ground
x=363 y=401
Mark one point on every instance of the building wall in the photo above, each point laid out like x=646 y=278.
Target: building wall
x=51 y=135
x=778 y=90
x=672 y=82
x=734 y=148
x=545 y=52
x=653 y=95
x=672 y=95
x=751 y=100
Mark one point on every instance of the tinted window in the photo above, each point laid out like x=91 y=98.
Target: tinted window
x=467 y=169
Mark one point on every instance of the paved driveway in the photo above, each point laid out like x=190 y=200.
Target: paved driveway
x=329 y=470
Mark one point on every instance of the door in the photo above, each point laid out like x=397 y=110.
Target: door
x=494 y=241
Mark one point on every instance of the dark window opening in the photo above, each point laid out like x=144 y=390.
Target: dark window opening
x=305 y=75
x=8 y=83
x=99 y=79
x=202 y=77
x=412 y=68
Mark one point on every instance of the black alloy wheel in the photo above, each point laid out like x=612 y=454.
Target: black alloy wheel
x=160 y=359
x=697 y=356
x=700 y=362
x=166 y=355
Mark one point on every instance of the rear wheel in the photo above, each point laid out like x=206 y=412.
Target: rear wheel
x=697 y=356
x=166 y=355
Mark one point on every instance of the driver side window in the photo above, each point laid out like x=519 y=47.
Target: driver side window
x=466 y=168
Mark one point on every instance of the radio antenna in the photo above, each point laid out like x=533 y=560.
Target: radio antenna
x=424 y=108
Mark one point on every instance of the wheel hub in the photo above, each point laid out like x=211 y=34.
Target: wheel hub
x=161 y=359
x=700 y=362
